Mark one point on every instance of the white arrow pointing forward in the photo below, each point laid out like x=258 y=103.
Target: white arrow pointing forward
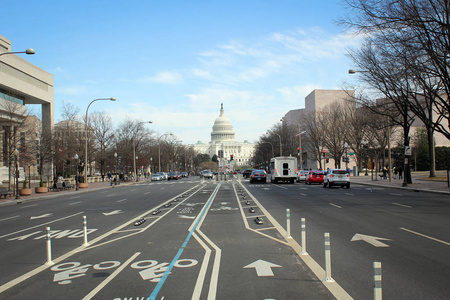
x=263 y=268
x=373 y=240
x=115 y=212
x=41 y=216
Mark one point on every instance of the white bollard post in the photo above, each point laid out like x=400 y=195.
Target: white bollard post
x=303 y=238
x=85 y=231
x=49 y=247
x=377 y=290
x=288 y=225
x=328 y=277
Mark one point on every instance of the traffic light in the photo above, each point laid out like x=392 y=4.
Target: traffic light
x=231 y=157
x=323 y=153
x=328 y=160
x=298 y=151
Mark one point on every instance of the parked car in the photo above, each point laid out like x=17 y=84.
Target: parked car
x=206 y=174
x=247 y=173
x=337 y=177
x=157 y=177
x=302 y=175
x=315 y=177
x=163 y=175
x=258 y=175
x=172 y=175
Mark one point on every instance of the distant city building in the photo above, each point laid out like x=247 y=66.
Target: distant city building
x=223 y=138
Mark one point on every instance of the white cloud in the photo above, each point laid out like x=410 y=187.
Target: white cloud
x=166 y=77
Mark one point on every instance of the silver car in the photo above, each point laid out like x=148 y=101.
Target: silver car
x=302 y=175
x=338 y=177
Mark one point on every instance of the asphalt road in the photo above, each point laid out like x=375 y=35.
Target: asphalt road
x=200 y=241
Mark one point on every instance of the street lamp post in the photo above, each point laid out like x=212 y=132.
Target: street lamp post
x=134 y=150
x=159 y=149
x=300 y=148
x=86 y=134
x=28 y=51
x=76 y=171
x=281 y=149
x=117 y=167
x=16 y=173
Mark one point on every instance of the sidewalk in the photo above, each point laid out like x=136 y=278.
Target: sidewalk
x=420 y=182
x=92 y=187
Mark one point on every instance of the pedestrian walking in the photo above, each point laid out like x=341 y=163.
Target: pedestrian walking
x=395 y=172
x=400 y=172
x=384 y=172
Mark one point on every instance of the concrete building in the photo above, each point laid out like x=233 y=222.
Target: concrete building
x=21 y=84
x=315 y=101
x=223 y=138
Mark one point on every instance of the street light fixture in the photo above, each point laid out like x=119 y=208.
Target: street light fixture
x=159 y=149
x=117 y=168
x=86 y=134
x=29 y=51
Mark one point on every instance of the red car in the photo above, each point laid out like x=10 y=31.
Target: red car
x=315 y=177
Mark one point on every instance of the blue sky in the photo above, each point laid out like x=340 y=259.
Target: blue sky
x=174 y=62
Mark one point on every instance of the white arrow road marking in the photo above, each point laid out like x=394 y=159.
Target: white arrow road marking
x=41 y=216
x=186 y=217
x=374 y=241
x=263 y=268
x=115 y=212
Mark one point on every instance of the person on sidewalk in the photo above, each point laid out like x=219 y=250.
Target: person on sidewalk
x=384 y=172
x=395 y=172
x=400 y=172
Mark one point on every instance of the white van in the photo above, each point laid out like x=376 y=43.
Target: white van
x=283 y=169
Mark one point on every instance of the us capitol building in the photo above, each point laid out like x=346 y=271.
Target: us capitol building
x=223 y=138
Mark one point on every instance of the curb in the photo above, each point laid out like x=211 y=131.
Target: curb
x=404 y=188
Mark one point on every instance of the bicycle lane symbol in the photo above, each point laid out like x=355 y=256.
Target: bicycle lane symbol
x=152 y=270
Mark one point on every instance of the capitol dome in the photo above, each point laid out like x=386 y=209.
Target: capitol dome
x=222 y=130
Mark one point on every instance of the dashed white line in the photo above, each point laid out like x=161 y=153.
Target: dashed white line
x=403 y=205
x=29 y=205
x=332 y=204
x=75 y=197
x=303 y=194
x=9 y=218
x=111 y=195
x=393 y=194
x=121 y=200
x=74 y=203
x=349 y=194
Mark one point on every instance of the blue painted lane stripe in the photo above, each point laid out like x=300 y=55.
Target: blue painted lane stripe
x=180 y=251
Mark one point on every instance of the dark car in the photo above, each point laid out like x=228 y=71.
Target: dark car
x=247 y=173
x=184 y=174
x=315 y=177
x=258 y=175
x=172 y=175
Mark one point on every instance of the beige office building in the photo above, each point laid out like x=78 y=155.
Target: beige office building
x=21 y=84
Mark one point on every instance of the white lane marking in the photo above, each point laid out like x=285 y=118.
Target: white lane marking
x=426 y=236
x=303 y=194
x=281 y=187
x=29 y=206
x=111 y=195
x=403 y=205
x=41 y=216
x=147 y=193
x=75 y=203
x=75 y=197
x=9 y=218
x=110 y=277
x=114 y=212
x=40 y=225
x=122 y=200
x=103 y=192
x=394 y=194
x=332 y=204
x=349 y=194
